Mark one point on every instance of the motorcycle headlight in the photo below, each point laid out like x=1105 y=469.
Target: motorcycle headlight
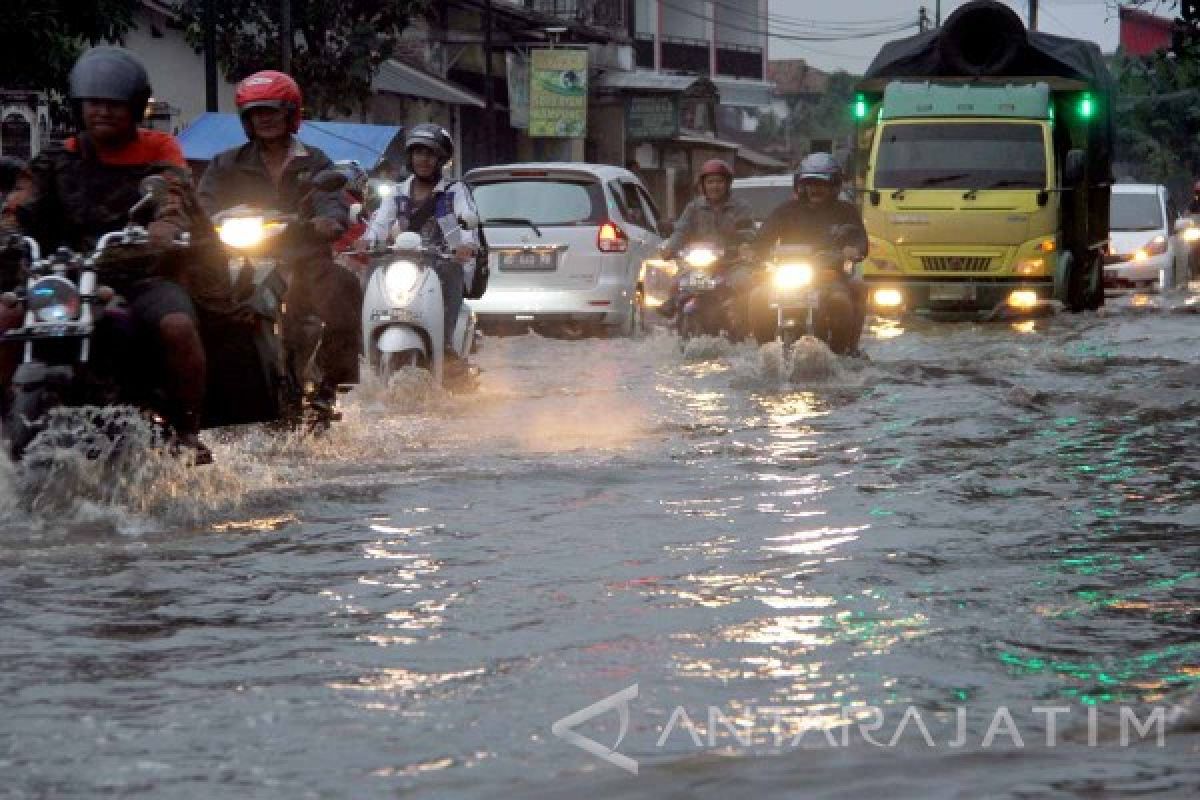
x=53 y=299
x=242 y=233
x=700 y=257
x=399 y=280
x=1191 y=235
x=792 y=276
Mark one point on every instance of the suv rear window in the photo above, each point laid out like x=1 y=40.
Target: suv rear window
x=543 y=201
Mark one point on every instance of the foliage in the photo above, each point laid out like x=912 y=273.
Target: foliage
x=40 y=39
x=826 y=117
x=339 y=44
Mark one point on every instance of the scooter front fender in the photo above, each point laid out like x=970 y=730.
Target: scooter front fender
x=397 y=338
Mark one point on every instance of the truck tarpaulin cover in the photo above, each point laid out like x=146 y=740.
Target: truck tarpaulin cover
x=986 y=39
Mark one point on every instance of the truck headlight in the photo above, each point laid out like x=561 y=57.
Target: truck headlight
x=53 y=299
x=792 y=276
x=399 y=279
x=1155 y=247
x=242 y=233
x=888 y=298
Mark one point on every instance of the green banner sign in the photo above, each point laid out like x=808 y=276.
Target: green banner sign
x=651 y=117
x=558 y=93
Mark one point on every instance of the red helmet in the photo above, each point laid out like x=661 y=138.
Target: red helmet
x=715 y=166
x=269 y=89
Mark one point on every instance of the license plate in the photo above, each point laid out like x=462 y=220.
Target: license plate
x=395 y=315
x=951 y=294
x=528 y=260
x=806 y=298
x=698 y=283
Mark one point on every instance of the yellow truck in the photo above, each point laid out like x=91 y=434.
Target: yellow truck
x=983 y=167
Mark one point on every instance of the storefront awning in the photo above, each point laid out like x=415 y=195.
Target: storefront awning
x=397 y=78
x=744 y=93
x=212 y=133
x=644 y=80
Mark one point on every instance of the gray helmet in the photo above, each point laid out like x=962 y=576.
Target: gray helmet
x=432 y=136
x=821 y=167
x=110 y=73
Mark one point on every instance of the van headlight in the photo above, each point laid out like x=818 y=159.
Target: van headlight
x=53 y=299
x=792 y=276
x=242 y=233
x=399 y=280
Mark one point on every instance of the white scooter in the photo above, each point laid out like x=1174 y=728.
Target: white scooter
x=402 y=312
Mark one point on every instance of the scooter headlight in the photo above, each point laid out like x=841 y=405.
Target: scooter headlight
x=792 y=276
x=700 y=257
x=243 y=233
x=399 y=280
x=53 y=299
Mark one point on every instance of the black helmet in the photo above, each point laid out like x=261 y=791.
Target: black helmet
x=432 y=136
x=111 y=73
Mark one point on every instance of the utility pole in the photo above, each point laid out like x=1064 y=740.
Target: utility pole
x=210 y=55
x=285 y=35
x=489 y=91
x=937 y=18
x=1033 y=9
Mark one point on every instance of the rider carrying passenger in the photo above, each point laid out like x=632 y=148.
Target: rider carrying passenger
x=715 y=215
x=271 y=171
x=436 y=208
x=84 y=188
x=817 y=218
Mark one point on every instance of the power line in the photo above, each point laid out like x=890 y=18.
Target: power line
x=790 y=37
x=825 y=26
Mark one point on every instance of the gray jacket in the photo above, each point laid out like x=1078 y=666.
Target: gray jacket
x=705 y=221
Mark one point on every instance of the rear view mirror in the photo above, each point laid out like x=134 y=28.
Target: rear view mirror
x=330 y=180
x=1073 y=167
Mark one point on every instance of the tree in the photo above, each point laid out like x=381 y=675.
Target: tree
x=339 y=44
x=40 y=39
x=829 y=117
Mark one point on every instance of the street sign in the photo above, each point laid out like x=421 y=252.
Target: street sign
x=651 y=117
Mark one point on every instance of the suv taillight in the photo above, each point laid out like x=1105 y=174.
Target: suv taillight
x=611 y=239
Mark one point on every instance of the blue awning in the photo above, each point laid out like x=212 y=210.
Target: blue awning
x=211 y=133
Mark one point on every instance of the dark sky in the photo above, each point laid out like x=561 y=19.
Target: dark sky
x=1082 y=19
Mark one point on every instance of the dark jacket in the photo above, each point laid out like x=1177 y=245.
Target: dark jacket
x=797 y=222
x=702 y=221
x=77 y=199
x=239 y=177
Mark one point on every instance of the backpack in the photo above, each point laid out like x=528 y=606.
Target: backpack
x=476 y=279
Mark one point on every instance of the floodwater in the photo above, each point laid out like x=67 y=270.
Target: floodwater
x=825 y=578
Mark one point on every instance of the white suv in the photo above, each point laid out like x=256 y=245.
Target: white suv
x=568 y=242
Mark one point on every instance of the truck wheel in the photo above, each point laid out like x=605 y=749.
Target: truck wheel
x=1096 y=286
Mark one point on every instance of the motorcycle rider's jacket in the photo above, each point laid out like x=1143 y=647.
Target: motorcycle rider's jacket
x=438 y=221
x=239 y=176
x=80 y=192
x=799 y=222
x=703 y=220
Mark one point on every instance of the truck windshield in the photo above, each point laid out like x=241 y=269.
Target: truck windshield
x=961 y=155
x=1135 y=212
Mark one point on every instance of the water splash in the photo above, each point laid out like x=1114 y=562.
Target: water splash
x=809 y=360
x=707 y=348
x=112 y=466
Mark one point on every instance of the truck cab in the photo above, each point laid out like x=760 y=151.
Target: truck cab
x=983 y=169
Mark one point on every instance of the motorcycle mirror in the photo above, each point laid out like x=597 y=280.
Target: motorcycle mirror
x=154 y=186
x=330 y=180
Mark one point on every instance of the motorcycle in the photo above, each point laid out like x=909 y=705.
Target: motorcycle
x=256 y=239
x=402 y=314
x=807 y=291
x=705 y=295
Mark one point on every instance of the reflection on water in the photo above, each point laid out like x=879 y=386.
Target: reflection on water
x=979 y=516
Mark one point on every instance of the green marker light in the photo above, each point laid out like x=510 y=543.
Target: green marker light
x=860 y=107
x=1087 y=107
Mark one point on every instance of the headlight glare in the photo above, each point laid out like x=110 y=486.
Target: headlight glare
x=792 y=276
x=242 y=232
x=399 y=280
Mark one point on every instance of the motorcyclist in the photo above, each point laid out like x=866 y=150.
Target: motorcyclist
x=715 y=215
x=79 y=190
x=356 y=194
x=813 y=217
x=436 y=208
x=270 y=171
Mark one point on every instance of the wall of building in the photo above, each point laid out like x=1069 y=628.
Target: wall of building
x=686 y=24
x=176 y=70
x=740 y=23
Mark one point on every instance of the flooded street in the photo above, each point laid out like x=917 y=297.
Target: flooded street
x=979 y=517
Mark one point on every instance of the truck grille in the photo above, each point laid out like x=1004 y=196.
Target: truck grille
x=956 y=263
